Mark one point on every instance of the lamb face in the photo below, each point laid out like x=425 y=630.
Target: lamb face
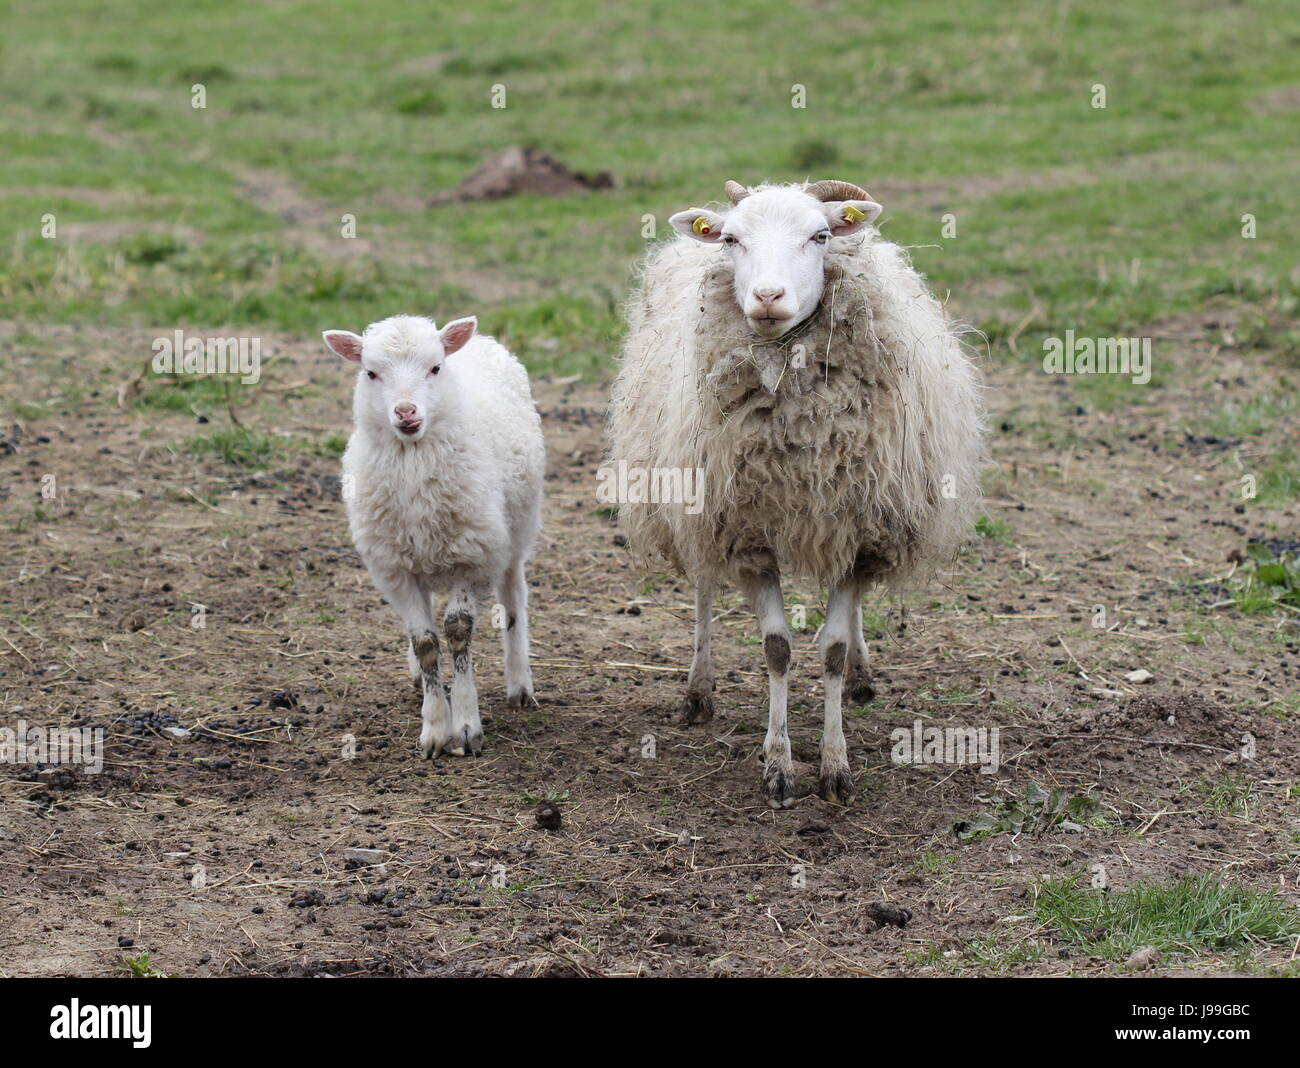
x=776 y=238
x=399 y=388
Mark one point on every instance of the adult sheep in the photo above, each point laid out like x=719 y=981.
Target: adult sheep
x=814 y=383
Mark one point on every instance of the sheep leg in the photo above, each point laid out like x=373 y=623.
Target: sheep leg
x=414 y=607
x=699 y=684
x=413 y=657
x=514 y=639
x=858 y=686
x=458 y=628
x=764 y=594
x=836 y=782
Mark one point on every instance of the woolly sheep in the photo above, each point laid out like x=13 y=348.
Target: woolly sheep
x=443 y=484
x=813 y=382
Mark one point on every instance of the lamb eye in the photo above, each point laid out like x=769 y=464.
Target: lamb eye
x=729 y=239
x=371 y=375
x=435 y=369
x=822 y=237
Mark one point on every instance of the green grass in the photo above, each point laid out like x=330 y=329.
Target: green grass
x=235 y=445
x=1272 y=584
x=1068 y=216
x=994 y=529
x=142 y=967
x=1194 y=914
x=1254 y=416
x=1231 y=795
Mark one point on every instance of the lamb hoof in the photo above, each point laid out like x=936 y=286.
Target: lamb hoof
x=837 y=787
x=698 y=708
x=462 y=741
x=522 y=699
x=467 y=741
x=859 y=686
x=431 y=742
x=779 y=784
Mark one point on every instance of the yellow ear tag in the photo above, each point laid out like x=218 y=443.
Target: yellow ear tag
x=701 y=226
x=851 y=214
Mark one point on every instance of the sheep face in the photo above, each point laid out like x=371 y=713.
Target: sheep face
x=776 y=238
x=399 y=383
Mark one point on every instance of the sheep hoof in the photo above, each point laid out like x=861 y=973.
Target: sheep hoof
x=837 y=787
x=859 y=687
x=698 y=708
x=779 y=784
x=467 y=741
x=522 y=699
x=461 y=741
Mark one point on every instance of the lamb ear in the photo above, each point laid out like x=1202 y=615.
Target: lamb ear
x=456 y=334
x=849 y=216
x=698 y=224
x=344 y=343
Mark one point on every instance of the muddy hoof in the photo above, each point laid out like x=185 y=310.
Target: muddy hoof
x=859 y=687
x=780 y=786
x=837 y=787
x=698 y=708
x=522 y=699
x=467 y=741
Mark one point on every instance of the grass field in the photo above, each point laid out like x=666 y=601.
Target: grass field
x=1116 y=536
x=1067 y=215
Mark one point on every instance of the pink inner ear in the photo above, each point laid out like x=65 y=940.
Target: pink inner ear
x=344 y=344
x=455 y=336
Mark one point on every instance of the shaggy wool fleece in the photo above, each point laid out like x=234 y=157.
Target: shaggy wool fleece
x=849 y=447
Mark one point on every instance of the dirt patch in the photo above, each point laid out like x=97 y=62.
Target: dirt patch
x=291 y=829
x=517 y=170
x=1284 y=99
x=104 y=233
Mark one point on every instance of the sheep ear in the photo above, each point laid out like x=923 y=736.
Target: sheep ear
x=699 y=224
x=344 y=343
x=849 y=216
x=456 y=334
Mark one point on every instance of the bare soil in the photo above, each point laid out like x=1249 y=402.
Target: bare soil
x=662 y=864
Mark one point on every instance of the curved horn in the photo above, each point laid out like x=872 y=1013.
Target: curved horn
x=735 y=192
x=832 y=190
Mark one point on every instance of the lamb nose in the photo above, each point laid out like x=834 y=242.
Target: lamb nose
x=404 y=411
x=769 y=296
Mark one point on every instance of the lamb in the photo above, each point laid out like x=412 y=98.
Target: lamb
x=442 y=479
x=815 y=384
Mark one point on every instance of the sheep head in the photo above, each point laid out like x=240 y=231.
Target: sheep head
x=399 y=361
x=776 y=237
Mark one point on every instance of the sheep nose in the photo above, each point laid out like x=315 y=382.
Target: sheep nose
x=768 y=296
x=404 y=410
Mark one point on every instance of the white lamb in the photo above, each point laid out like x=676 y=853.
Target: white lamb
x=443 y=483
x=816 y=385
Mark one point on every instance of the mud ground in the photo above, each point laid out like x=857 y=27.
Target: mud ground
x=223 y=853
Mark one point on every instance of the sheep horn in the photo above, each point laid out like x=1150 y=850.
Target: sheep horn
x=832 y=190
x=735 y=192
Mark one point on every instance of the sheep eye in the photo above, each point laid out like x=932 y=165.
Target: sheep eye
x=822 y=237
x=729 y=239
x=435 y=369
x=371 y=375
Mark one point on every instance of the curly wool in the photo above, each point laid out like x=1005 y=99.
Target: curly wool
x=849 y=447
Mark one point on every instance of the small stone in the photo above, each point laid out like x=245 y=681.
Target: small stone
x=1146 y=957
x=1139 y=676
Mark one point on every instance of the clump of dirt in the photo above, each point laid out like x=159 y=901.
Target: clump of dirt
x=516 y=170
x=1177 y=718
